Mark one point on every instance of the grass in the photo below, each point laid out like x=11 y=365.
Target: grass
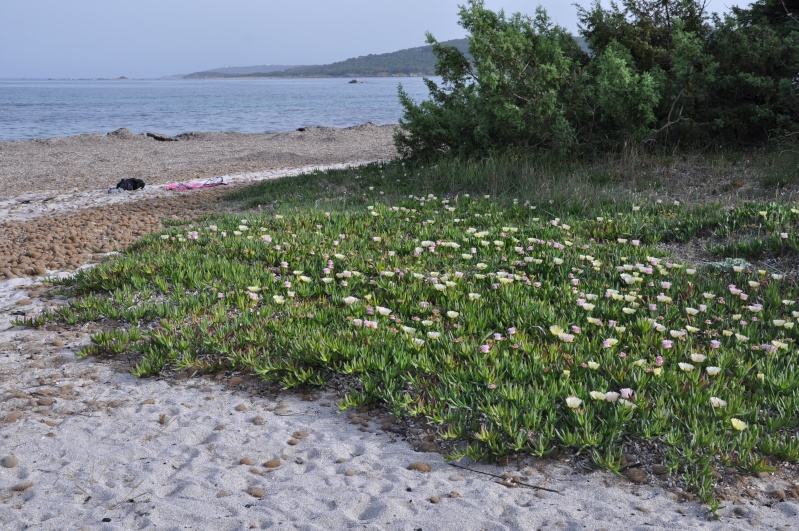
x=548 y=323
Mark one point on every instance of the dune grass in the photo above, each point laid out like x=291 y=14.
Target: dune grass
x=547 y=323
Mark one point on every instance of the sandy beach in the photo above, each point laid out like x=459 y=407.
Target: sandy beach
x=85 y=445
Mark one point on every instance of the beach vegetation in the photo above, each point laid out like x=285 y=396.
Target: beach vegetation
x=662 y=75
x=526 y=321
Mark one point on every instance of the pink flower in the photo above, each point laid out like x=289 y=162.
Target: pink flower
x=484 y=349
x=667 y=343
x=626 y=392
x=659 y=361
x=576 y=329
x=497 y=336
x=511 y=331
x=715 y=344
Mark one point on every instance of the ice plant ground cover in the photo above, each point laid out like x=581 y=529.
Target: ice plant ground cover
x=515 y=326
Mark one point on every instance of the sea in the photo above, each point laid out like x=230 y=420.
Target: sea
x=53 y=108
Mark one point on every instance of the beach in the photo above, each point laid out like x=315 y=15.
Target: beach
x=85 y=445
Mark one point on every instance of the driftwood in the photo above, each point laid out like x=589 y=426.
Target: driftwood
x=161 y=138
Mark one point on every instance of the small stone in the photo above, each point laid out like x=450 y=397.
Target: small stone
x=300 y=434
x=293 y=442
x=58 y=343
x=350 y=473
x=435 y=499
x=643 y=509
x=241 y=407
x=660 y=470
x=636 y=475
x=456 y=477
x=426 y=446
x=12 y=417
x=24 y=302
x=420 y=466
x=454 y=494
x=740 y=512
x=220 y=427
x=10 y=461
x=386 y=426
x=222 y=494
x=629 y=459
x=45 y=401
x=777 y=494
x=256 y=492
x=259 y=421
x=236 y=381
x=255 y=471
x=22 y=487
x=245 y=461
x=272 y=463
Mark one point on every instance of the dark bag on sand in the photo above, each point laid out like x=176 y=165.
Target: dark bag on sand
x=130 y=184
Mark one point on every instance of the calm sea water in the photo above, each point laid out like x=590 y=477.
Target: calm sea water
x=44 y=109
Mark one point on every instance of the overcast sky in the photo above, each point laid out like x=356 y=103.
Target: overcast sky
x=154 y=38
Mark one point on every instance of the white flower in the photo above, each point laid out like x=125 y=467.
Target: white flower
x=279 y=299
x=350 y=300
x=717 y=402
x=573 y=402
x=611 y=396
x=593 y=366
x=698 y=358
x=434 y=335
x=452 y=315
x=738 y=424
x=474 y=296
x=383 y=311
x=713 y=371
x=627 y=403
x=686 y=366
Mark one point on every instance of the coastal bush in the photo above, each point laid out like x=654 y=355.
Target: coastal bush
x=656 y=73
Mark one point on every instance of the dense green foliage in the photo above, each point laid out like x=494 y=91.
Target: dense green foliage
x=546 y=324
x=657 y=72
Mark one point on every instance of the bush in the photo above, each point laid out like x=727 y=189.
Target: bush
x=657 y=73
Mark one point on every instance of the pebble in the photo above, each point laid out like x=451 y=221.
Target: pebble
x=10 y=461
x=272 y=463
x=636 y=475
x=435 y=499
x=256 y=492
x=245 y=461
x=241 y=407
x=12 y=417
x=350 y=473
x=660 y=470
x=456 y=477
x=259 y=421
x=293 y=442
x=300 y=434
x=420 y=466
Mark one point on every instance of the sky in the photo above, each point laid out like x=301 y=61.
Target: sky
x=155 y=38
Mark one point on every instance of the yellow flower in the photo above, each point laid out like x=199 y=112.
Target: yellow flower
x=738 y=424
x=596 y=395
x=556 y=330
x=657 y=371
x=593 y=366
